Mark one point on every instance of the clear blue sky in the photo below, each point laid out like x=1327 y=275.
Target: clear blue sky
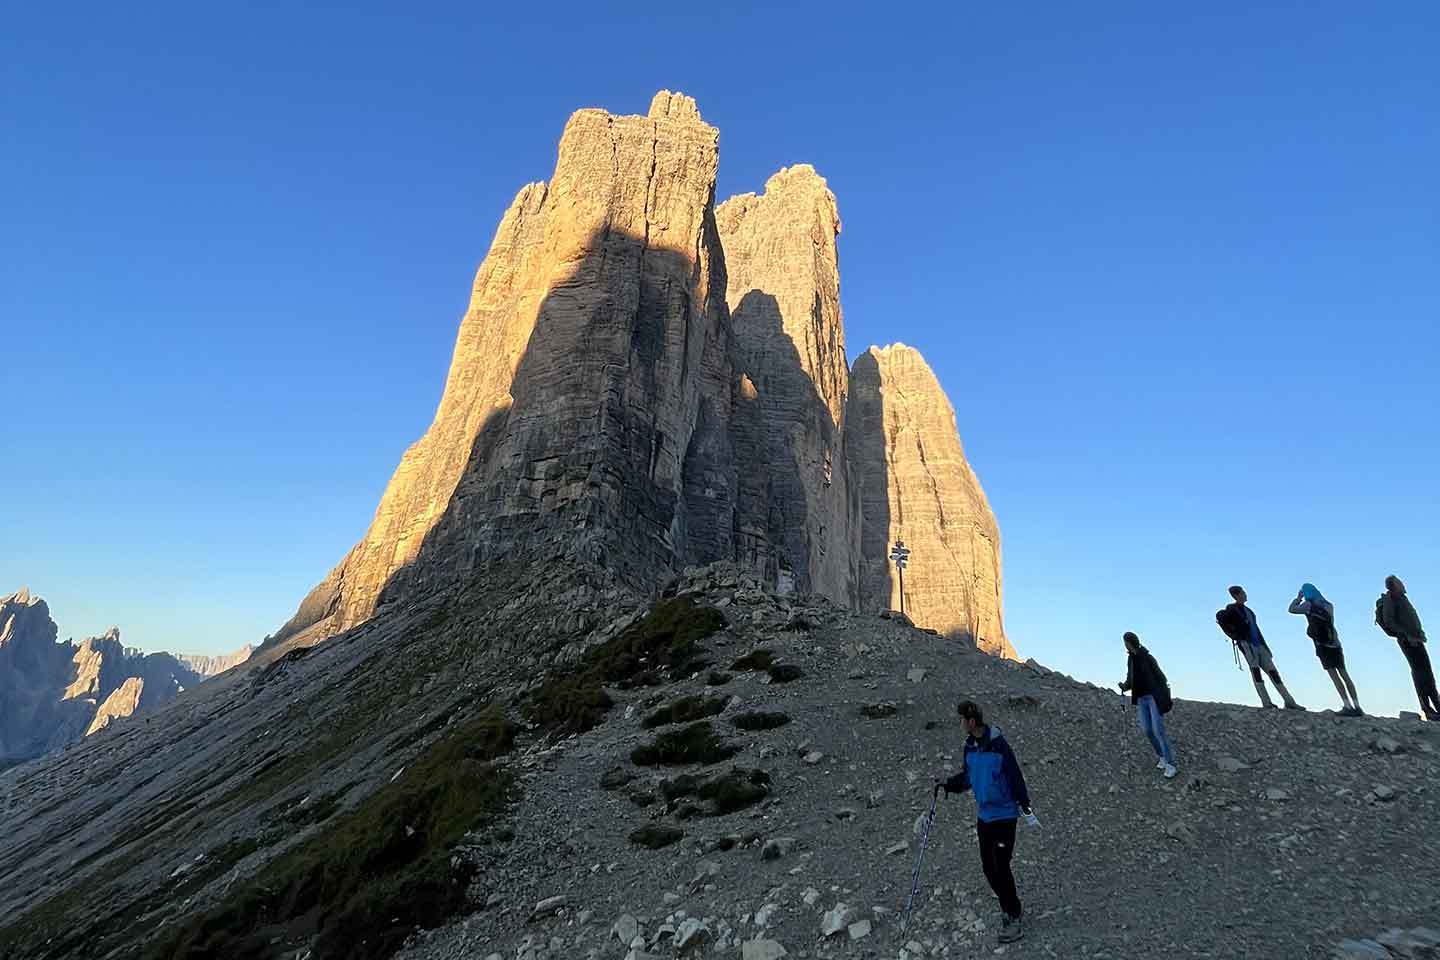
x=1177 y=270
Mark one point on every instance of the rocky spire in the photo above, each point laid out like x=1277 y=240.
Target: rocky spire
x=587 y=405
x=917 y=486
x=796 y=520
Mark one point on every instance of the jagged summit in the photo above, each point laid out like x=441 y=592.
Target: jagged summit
x=674 y=106
x=645 y=380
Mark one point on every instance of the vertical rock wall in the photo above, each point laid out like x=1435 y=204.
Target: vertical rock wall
x=917 y=486
x=796 y=519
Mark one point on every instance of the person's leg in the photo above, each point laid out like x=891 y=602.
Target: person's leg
x=1334 y=675
x=1147 y=715
x=1426 y=679
x=1350 y=685
x=1420 y=674
x=1290 y=703
x=1000 y=836
x=1252 y=658
x=985 y=834
x=1157 y=726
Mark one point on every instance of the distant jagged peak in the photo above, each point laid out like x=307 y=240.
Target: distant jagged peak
x=23 y=597
x=674 y=106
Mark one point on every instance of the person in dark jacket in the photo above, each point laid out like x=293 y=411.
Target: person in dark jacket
x=989 y=768
x=1319 y=616
x=1237 y=621
x=1397 y=617
x=1150 y=693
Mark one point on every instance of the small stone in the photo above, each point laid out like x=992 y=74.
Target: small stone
x=1274 y=794
x=691 y=936
x=813 y=757
x=776 y=848
x=1383 y=793
x=670 y=898
x=763 y=915
x=1388 y=745
x=1231 y=765
x=626 y=929
x=859 y=930
x=1180 y=831
x=811 y=896
x=900 y=847
x=834 y=920
x=548 y=906
x=915 y=674
x=761 y=950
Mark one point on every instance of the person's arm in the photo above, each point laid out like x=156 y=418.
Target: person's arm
x=1014 y=776
x=960 y=782
x=1299 y=605
x=1129 y=680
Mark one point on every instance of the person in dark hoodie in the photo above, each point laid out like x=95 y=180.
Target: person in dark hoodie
x=1150 y=692
x=1319 y=616
x=1238 y=622
x=1397 y=617
x=989 y=768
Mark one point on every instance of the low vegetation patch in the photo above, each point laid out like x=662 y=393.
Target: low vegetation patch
x=760 y=720
x=718 y=678
x=696 y=743
x=879 y=711
x=653 y=836
x=362 y=885
x=785 y=672
x=754 y=660
x=666 y=642
x=686 y=710
x=615 y=778
x=731 y=791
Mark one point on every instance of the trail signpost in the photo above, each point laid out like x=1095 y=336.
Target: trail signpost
x=901 y=555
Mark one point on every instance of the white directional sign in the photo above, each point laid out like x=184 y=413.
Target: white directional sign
x=901 y=555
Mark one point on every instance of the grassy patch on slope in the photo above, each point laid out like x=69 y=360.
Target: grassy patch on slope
x=665 y=641
x=358 y=888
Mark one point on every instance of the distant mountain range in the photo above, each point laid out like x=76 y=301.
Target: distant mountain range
x=53 y=694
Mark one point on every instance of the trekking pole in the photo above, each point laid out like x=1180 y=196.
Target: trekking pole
x=915 y=877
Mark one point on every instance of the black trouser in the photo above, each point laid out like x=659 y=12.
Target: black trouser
x=997 y=845
x=1423 y=675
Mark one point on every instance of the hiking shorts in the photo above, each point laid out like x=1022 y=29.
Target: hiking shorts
x=1331 y=658
x=1258 y=657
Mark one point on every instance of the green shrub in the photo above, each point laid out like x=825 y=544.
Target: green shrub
x=754 y=660
x=686 y=710
x=665 y=641
x=653 y=836
x=696 y=743
x=785 y=672
x=760 y=720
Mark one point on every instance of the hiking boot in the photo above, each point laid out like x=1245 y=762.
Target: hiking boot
x=1170 y=771
x=1011 y=929
x=1432 y=715
x=1268 y=706
x=1292 y=705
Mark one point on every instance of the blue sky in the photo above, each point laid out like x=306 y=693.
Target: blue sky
x=1176 y=269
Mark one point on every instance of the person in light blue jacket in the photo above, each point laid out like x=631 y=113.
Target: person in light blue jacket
x=989 y=768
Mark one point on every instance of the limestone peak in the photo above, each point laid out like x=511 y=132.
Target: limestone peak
x=674 y=106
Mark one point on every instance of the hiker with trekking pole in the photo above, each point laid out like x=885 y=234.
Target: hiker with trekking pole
x=989 y=768
x=1238 y=622
x=1150 y=693
x=1319 y=616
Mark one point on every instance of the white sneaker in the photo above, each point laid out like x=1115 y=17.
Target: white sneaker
x=1170 y=771
x=1160 y=765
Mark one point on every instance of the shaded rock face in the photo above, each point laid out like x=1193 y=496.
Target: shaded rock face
x=586 y=412
x=797 y=522
x=644 y=381
x=52 y=694
x=916 y=486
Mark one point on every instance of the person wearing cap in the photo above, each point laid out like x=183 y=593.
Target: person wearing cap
x=989 y=768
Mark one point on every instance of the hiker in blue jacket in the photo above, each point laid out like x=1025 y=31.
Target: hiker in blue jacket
x=990 y=769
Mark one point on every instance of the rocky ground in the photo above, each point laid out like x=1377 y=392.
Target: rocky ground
x=1283 y=835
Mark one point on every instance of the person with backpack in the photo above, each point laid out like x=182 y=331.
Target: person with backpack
x=989 y=768
x=1319 y=616
x=1397 y=617
x=1150 y=693
x=1237 y=622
